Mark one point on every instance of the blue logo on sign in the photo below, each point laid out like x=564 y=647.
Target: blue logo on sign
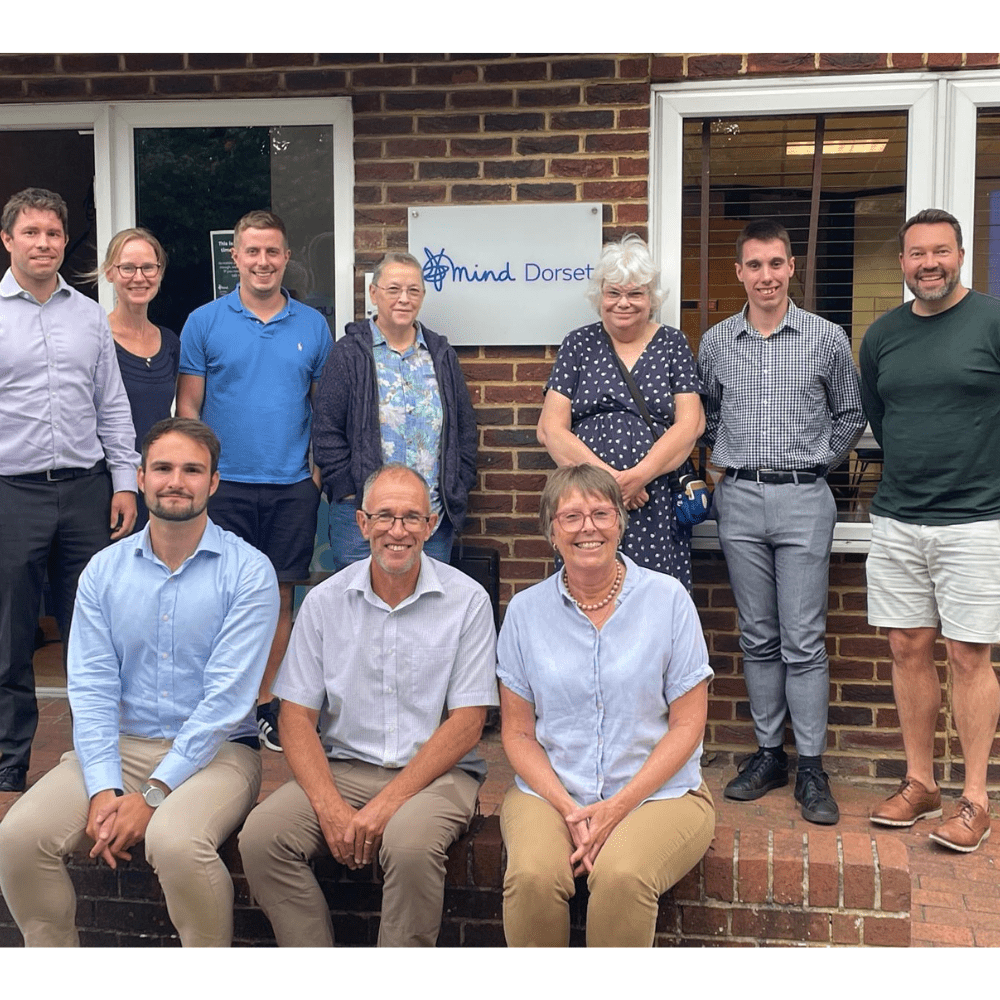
x=440 y=266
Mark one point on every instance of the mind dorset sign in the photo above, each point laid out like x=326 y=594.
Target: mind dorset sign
x=506 y=274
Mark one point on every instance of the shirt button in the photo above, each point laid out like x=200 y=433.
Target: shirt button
x=163 y=655
x=166 y=618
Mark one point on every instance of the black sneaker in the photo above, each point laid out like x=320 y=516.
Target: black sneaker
x=13 y=778
x=267 y=724
x=757 y=775
x=812 y=791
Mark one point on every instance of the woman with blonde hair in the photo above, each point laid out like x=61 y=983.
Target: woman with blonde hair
x=148 y=354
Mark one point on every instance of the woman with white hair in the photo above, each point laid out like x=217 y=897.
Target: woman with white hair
x=590 y=416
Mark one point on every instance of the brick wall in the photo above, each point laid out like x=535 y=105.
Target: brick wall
x=464 y=129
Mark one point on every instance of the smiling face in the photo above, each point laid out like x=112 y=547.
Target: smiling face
x=261 y=256
x=176 y=479
x=586 y=547
x=396 y=549
x=932 y=262
x=36 y=244
x=625 y=310
x=765 y=271
x=138 y=289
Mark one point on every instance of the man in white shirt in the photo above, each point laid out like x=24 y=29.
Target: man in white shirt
x=394 y=657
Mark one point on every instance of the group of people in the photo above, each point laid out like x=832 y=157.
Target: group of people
x=387 y=675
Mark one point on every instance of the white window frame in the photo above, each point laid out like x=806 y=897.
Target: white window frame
x=921 y=95
x=114 y=124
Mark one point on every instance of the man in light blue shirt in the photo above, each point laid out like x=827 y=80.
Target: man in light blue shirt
x=171 y=635
x=394 y=658
x=67 y=451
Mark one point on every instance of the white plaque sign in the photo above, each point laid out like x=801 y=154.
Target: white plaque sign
x=506 y=274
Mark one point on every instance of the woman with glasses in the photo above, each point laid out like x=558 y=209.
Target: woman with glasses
x=148 y=354
x=392 y=391
x=604 y=696
x=589 y=413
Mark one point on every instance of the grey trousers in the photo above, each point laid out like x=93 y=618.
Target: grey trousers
x=182 y=841
x=282 y=835
x=776 y=540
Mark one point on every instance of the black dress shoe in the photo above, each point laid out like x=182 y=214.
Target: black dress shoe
x=757 y=775
x=812 y=791
x=13 y=779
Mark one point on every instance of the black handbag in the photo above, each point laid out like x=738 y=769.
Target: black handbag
x=692 y=499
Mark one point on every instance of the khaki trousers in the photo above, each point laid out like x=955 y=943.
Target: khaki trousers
x=282 y=835
x=182 y=841
x=649 y=851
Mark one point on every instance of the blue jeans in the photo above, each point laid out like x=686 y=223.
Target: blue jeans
x=776 y=540
x=348 y=545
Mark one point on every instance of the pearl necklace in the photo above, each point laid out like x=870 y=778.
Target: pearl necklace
x=600 y=604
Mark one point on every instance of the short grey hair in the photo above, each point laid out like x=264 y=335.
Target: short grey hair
x=590 y=481
x=627 y=262
x=393 y=467
x=398 y=257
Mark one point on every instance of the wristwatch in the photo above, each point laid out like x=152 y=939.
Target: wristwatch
x=153 y=795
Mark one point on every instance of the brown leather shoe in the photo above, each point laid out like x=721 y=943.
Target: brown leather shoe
x=910 y=802
x=966 y=830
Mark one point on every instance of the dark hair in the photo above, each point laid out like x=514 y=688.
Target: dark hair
x=764 y=230
x=193 y=429
x=393 y=467
x=260 y=219
x=590 y=481
x=39 y=198
x=930 y=217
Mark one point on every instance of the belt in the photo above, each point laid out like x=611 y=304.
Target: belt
x=61 y=475
x=779 y=477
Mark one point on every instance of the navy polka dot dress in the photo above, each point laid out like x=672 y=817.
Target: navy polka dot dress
x=606 y=419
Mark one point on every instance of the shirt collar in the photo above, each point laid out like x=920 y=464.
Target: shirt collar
x=236 y=304
x=358 y=577
x=630 y=579
x=210 y=541
x=9 y=288
x=791 y=321
x=379 y=338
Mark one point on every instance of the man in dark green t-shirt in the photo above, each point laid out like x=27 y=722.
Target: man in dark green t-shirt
x=930 y=383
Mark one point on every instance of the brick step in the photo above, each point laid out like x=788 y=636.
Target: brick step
x=754 y=887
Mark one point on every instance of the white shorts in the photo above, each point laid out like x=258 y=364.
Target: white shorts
x=922 y=575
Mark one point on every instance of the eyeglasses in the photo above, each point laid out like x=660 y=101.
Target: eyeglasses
x=633 y=296
x=128 y=270
x=411 y=521
x=572 y=520
x=396 y=292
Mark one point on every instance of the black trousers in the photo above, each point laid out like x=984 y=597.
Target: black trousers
x=53 y=526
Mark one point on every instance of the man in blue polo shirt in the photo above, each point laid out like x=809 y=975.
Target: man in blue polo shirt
x=249 y=363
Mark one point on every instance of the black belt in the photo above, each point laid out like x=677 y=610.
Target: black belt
x=61 y=475
x=779 y=477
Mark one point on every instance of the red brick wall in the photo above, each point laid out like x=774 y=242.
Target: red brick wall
x=454 y=129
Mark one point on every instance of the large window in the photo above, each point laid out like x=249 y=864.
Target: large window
x=184 y=169
x=842 y=162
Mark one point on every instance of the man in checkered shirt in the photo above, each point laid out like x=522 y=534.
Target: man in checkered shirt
x=782 y=406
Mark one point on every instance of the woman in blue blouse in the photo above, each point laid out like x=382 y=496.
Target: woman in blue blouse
x=604 y=696
x=147 y=354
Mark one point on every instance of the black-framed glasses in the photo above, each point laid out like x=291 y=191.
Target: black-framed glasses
x=411 y=521
x=396 y=291
x=573 y=520
x=128 y=270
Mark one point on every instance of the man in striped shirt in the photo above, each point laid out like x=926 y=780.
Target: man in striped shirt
x=782 y=406
x=394 y=658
